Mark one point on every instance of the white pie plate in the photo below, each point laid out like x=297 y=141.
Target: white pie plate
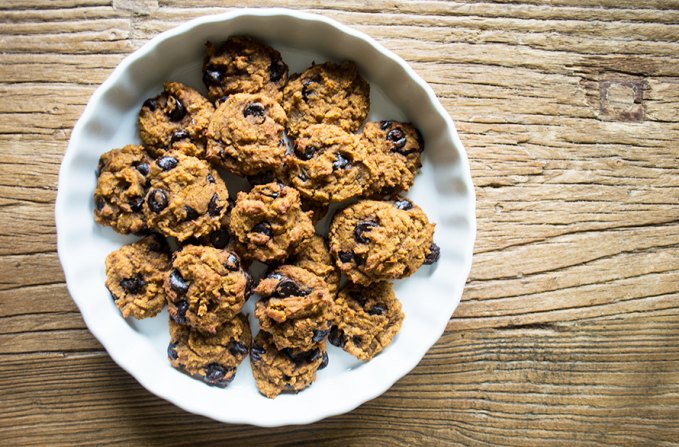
x=443 y=189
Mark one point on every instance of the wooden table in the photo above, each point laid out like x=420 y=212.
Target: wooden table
x=568 y=332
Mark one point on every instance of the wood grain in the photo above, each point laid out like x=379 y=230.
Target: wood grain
x=568 y=331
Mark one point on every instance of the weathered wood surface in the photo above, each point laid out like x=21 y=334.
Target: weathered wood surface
x=568 y=332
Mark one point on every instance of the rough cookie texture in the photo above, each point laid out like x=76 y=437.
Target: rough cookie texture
x=376 y=241
x=175 y=120
x=329 y=94
x=396 y=148
x=245 y=135
x=135 y=275
x=268 y=222
x=313 y=255
x=328 y=164
x=295 y=307
x=206 y=287
x=212 y=358
x=288 y=370
x=366 y=319
x=186 y=197
x=243 y=65
x=121 y=186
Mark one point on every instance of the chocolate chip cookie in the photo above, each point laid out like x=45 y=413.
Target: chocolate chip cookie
x=313 y=255
x=396 y=148
x=326 y=94
x=376 y=241
x=328 y=165
x=287 y=370
x=121 y=187
x=175 y=120
x=135 y=275
x=186 y=197
x=212 y=358
x=295 y=307
x=205 y=287
x=245 y=135
x=268 y=222
x=243 y=64
x=366 y=319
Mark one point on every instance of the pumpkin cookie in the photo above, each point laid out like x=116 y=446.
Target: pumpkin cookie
x=313 y=255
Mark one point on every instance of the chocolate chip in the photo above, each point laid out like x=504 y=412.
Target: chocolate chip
x=263 y=228
x=210 y=178
x=303 y=175
x=236 y=348
x=212 y=77
x=342 y=161
x=221 y=99
x=376 y=310
x=178 y=112
x=214 y=372
x=319 y=334
x=403 y=204
x=180 y=314
x=167 y=163
x=434 y=254
x=156 y=200
x=213 y=208
x=172 y=351
x=191 y=213
x=356 y=339
x=143 y=168
x=133 y=285
x=337 y=337
x=219 y=238
x=255 y=110
x=397 y=137
x=177 y=283
x=136 y=203
x=308 y=87
x=99 y=203
x=232 y=262
x=287 y=287
x=273 y=193
x=345 y=256
x=100 y=166
x=151 y=104
x=384 y=125
x=179 y=135
x=277 y=70
x=361 y=228
x=302 y=358
x=358 y=297
x=256 y=352
x=305 y=153
x=324 y=362
x=249 y=284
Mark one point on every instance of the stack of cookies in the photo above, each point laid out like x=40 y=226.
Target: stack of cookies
x=294 y=138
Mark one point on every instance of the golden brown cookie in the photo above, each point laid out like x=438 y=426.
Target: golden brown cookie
x=328 y=165
x=186 y=197
x=288 y=370
x=175 y=120
x=268 y=222
x=396 y=148
x=243 y=64
x=135 y=275
x=245 y=135
x=121 y=187
x=376 y=241
x=206 y=287
x=295 y=307
x=366 y=319
x=326 y=94
x=212 y=358
x=313 y=255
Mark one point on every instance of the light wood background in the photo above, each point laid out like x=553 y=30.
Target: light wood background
x=568 y=332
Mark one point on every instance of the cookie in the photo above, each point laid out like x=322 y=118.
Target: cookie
x=243 y=65
x=175 y=120
x=268 y=222
x=245 y=135
x=288 y=370
x=212 y=358
x=205 y=287
x=295 y=307
x=396 y=148
x=375 y=241
x=186 y=197
x=135 y=275
x=326 y=94
x=328 y=165
x=366 y=319
x=313 y=255
x=121 y=187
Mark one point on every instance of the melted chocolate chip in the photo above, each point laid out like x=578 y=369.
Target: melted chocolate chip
x=376 y=310
x=255 y=110
x=302 y=358
x=361 y=228
x=179 y=135
x=403 y=204
x=213 y=208
x=157 y=200
x=263 y=228
x=136 y=203
x=191 y=213
x=319 y=334
x=356 y=339
x=178 y=284
x=397 y=137
x=151 y=104
x=214 y=372
x=308 y=87
x=384 y=125
x=219 y=238
x=277 y=70
x=345 y=256
x=236 y=348
x=167 y=163
x=256 y=352
x=178 y=112
x=342 y=161
x=287 y=288
x=99 y=203
x=325 y=361
x=210 y=178
x=302 y=175
x=358 y=297
x=232 y=262
x=172 y=351
x=133 y=285
x=143 y=168
x=305 y=153
x=434 y=254
x=337 y=337
x=212 y=77
x=180 y=314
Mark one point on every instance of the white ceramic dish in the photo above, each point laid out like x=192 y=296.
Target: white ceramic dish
x=443 y=189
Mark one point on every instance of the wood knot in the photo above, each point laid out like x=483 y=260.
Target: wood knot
x=622 y=100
